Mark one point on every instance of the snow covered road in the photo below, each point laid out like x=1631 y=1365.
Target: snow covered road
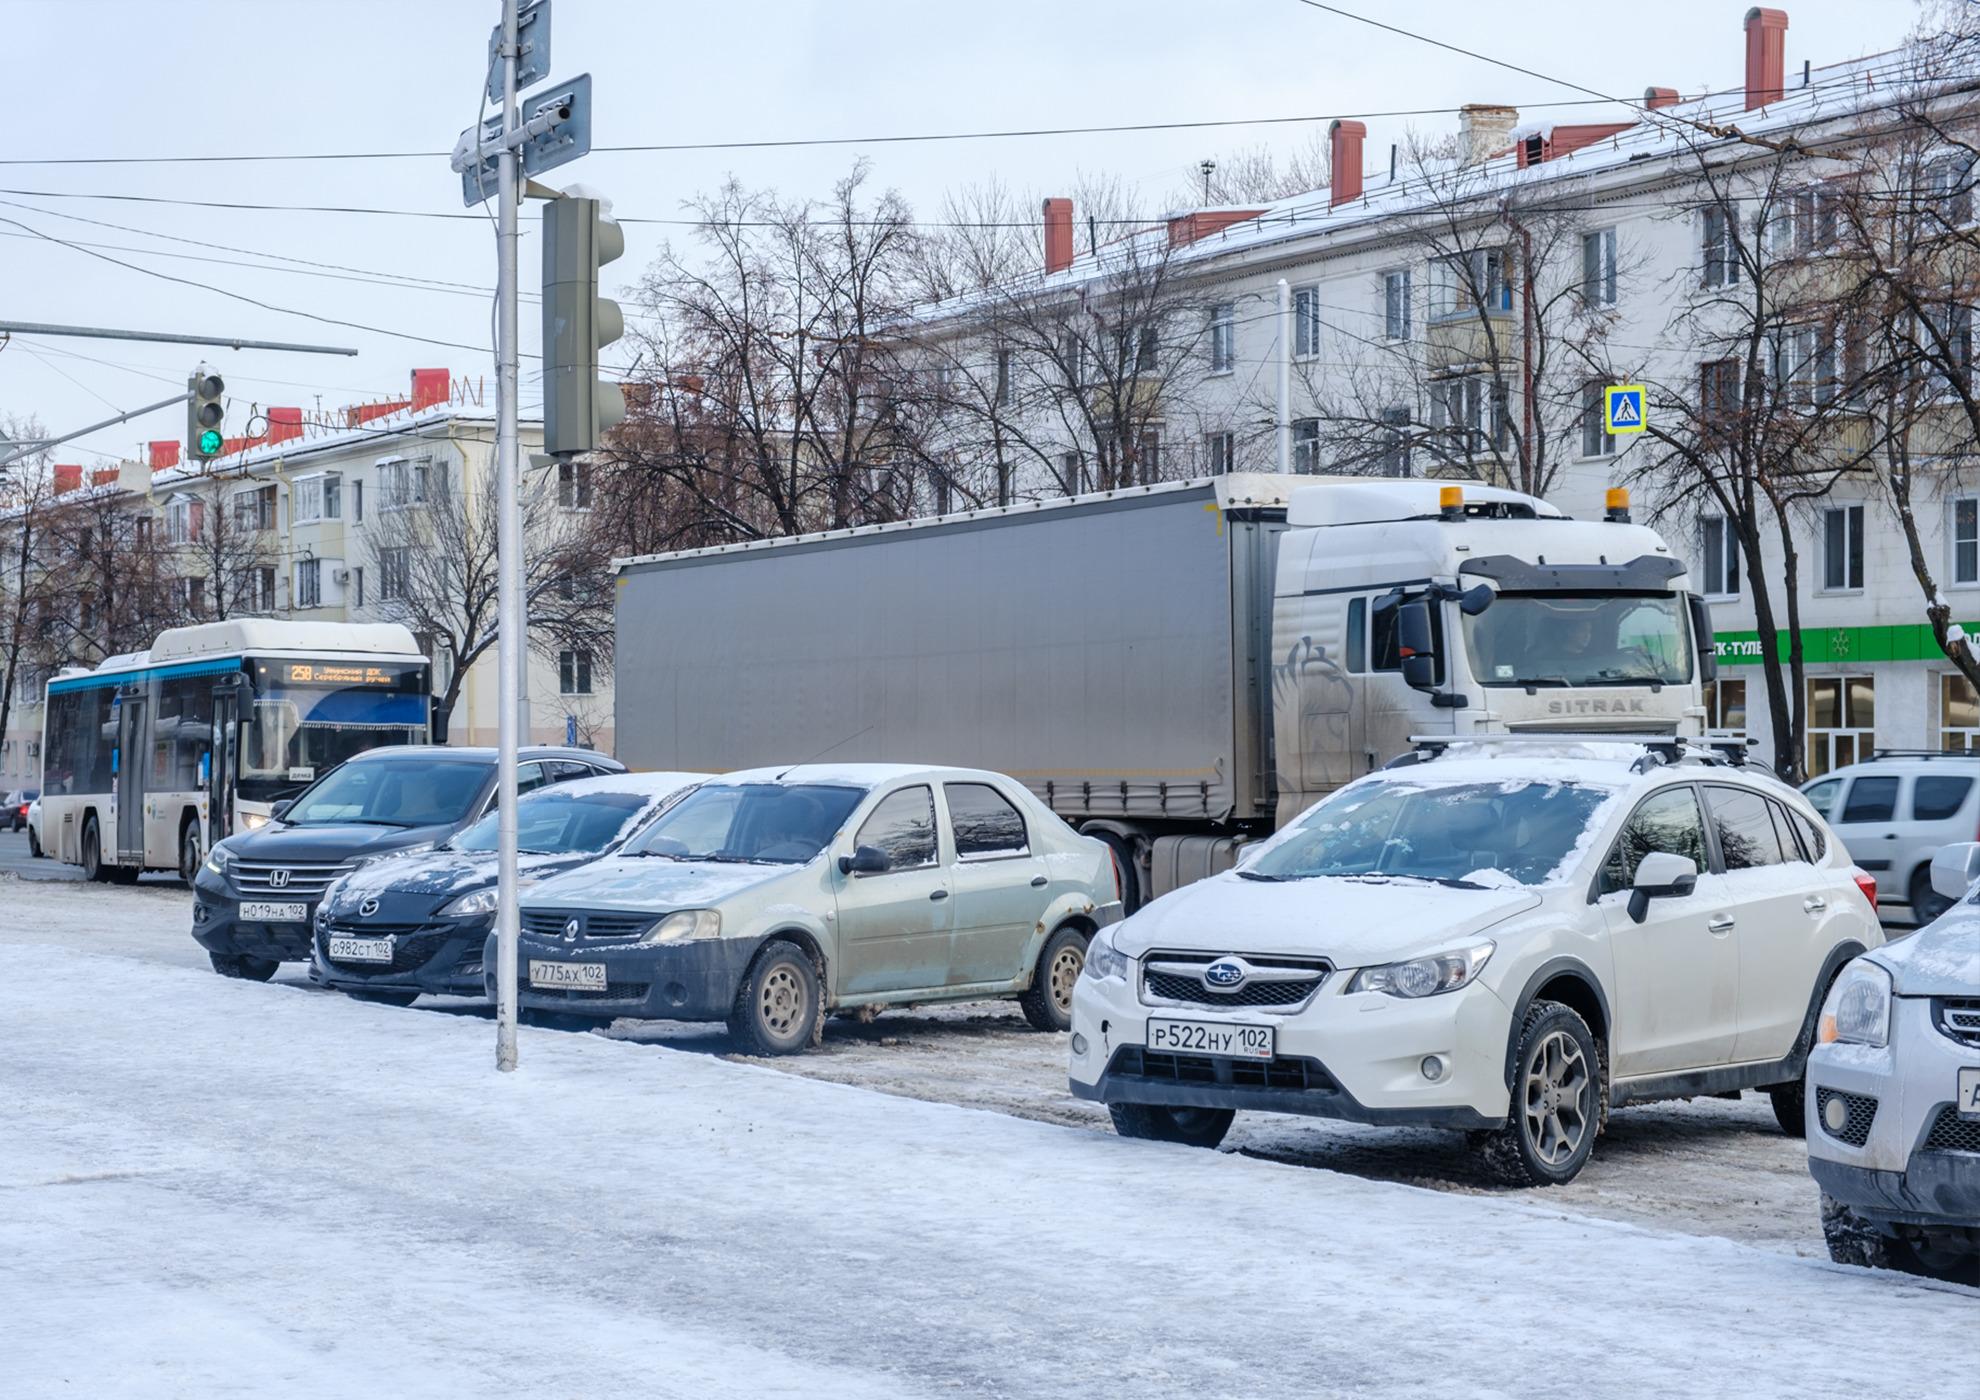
x=222 y=1189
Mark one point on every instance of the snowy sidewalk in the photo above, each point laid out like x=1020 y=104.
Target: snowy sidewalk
x=220 y=1189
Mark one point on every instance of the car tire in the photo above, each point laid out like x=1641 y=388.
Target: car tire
x=1927 y=903
x=93 y=868
x=1559 y=1098
x=1047 y=1005
x=243 y=966
x=1790 y=1103
x=1189 y=1127
x=777 y=1009
x=190 y=853
x=1856 y=1241
x=383 y=996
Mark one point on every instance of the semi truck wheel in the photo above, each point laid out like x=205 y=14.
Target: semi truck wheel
x=1124 y=866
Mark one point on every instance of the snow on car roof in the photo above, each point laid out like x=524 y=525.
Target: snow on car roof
x=863 y=775
x=641 y=784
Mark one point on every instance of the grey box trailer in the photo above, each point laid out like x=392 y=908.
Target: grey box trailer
x=1110 y=651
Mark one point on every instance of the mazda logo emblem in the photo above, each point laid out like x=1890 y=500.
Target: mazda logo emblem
x=278 y=879
x=1225 y=973
x=570 y=930
x=368 y=907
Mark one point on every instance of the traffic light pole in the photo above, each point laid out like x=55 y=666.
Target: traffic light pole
x=30 y=448
x=511 y=649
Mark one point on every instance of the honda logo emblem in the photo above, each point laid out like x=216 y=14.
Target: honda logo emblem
x=278 y=879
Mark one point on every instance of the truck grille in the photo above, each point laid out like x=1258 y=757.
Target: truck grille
x=1958 y=1017
x=297 y=880
x=549 y=923
x=1281 y=1072
x=1860 y=1113
x=1952 y=1133
x=1276 y=983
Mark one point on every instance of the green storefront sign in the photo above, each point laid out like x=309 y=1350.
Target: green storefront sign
x=1840 y=646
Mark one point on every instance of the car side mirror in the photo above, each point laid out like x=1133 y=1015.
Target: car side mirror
x=867 y=860
x=1660 y=875
x=276 y=810
x=1955 y=868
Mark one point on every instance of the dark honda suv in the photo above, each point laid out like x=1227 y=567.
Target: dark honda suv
x=255 y=896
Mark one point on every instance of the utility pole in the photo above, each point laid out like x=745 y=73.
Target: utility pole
x=508 y=548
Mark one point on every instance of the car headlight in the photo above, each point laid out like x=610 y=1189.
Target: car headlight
x=686 y=924
x=473 y=905
x=217 y=860
x=1424 y=977
x=1858 y=1008
x=253 y=821
x=1104 y=960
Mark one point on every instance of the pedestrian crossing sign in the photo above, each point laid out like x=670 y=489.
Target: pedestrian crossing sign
x=1622 y=408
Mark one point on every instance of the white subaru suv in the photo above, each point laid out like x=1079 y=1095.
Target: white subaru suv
x=1506 y=936
x=1894 y=1095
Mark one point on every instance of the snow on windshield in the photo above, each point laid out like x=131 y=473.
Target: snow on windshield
x=1478 y=835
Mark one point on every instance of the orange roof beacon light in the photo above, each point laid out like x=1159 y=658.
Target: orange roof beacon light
x=1617 y=503
x=1450 y=502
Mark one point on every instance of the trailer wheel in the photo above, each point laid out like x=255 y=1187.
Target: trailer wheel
x=1124 y=867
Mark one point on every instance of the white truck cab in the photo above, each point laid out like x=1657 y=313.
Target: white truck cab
x=1418 y=607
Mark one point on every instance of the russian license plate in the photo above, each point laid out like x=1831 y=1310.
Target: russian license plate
x=362 y=949
x=1969 y=1093
x=275 y=913
x=553 y=975
x=1211 y=1038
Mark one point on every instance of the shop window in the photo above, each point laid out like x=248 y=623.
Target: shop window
x=1959 y=714
x=1842 y=721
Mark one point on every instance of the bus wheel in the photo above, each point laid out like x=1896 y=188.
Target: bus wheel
x=92 y=853
x=190 y=854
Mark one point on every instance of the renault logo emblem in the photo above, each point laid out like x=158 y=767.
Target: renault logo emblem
x=368 y=907
x=570 y=930
x=278 y=879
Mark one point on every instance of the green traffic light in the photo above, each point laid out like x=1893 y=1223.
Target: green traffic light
x=210 y=443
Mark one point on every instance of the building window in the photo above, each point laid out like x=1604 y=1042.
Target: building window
x=1842 y=548
x=1306 y=321
x=1394 y=458
x=180 y=526
x=1803 y=368
x=1306 y=446
x=195 y=595
x=1596 y=439
x=258 y=589
x=1959 y=714
x=1718 y=547
x=1220 y=452
x=394 y=573
x=317 y=498
x=357 y=587
x=1223 y=338
x=1003 y=377
x=1395 y=304
x=255 y=509
x=1946 y=343
x=1598 y=267
x=1718 y=393
x=574 y=672
x=1071 y=474
x=1471 y=410
x=1721 y=237
x=1802 y=221
x=1725 y=707
x=1842 y=721
x=309 y=583
x=1465 y=283
x=574 y=485
x=357 y=503
x=1946 y=185
x=1148 y=457
x=405 y=483
x=1964 y=537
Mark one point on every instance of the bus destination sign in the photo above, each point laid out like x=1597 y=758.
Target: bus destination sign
x=333 y=673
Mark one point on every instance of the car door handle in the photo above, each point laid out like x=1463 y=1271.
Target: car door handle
x=1038 y=882
x=938 y=894
x=1815 y=904
x=1720 y=923
x=1890 y=836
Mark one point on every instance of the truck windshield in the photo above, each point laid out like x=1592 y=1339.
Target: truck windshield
x=1568 y=639
x=773 y=823
x=401 y=792
x=309 y=716
x=1466 y=834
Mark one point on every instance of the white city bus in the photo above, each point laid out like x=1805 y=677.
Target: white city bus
x=154 y=755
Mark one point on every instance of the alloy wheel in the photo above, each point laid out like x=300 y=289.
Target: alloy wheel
x=1555 y=1102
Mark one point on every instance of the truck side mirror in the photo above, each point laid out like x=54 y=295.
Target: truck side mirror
x=1420 y=672
x=866 y=860
x=1413 y=640
x=1701 y=636
x=1660 y=875
x=1955 y=868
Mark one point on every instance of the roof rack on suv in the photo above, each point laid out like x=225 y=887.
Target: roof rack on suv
x=1923 y=753
x=1659 y=749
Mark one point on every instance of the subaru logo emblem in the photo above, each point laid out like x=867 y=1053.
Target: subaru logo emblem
x=570 y=930
x=278 y=879
x=368 y=907
x=1225 y=972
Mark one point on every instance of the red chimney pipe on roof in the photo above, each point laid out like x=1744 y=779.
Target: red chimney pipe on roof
x=1655 y=97
x=163 y=453
x=68 y=477
x=1344 y=155
x=1766 y=56
x=284 y=425
x=1058 y=235
x=429 y=387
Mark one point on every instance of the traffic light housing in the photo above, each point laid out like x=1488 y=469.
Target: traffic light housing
x=579 y=237
x=204 y=415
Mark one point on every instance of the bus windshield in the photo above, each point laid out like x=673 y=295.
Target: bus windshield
x=1575 y=639
x=309 y=716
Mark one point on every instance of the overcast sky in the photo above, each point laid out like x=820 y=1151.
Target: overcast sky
x=148 y=78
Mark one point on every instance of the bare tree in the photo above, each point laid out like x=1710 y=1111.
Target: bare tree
x=109 y=578
x=24 y=577
x=228 y=549
x=1257 y=174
